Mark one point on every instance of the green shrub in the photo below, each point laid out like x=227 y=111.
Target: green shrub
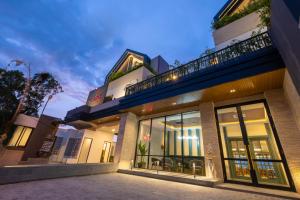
x=116 y=75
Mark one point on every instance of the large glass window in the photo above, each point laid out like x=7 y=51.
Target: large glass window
x=142 y=145
x=173 y=143
x=20 y=137
x=250 y=149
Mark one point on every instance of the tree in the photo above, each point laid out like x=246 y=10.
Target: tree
x=12 y=84
x=42 y=85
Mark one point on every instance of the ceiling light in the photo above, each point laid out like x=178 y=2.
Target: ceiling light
x=143 y=110
x=174 y=103
x=232 y=91
x=113 y=130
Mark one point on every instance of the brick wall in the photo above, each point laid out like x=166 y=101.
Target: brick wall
x=287 y=130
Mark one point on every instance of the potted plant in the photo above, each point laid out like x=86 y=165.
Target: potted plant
x=143 y=150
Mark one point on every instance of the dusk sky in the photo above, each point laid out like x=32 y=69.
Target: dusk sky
x=78 y=41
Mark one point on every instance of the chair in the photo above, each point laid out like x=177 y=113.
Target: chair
x=199 y=166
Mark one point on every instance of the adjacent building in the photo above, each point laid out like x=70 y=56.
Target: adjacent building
x=30 y=141
x=232 y=114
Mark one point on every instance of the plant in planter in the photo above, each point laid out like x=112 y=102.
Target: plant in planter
x=143 y=150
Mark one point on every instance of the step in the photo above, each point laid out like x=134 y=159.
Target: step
x=175 y=177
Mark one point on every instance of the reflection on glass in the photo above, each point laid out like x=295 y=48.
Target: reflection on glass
x=173 y=150
x=263 y=146
x=143 y=144
x=233 y=146
x=238 y=170
x=192 y=143
x=174 y=144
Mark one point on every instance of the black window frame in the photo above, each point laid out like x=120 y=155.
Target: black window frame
x=277 y=140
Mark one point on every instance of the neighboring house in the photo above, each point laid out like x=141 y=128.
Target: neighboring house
x=82 y=146
x=233 y=114
x=31 y=140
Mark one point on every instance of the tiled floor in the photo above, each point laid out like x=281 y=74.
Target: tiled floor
x=117 y=186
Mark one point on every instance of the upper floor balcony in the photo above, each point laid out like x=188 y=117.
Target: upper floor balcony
x=227 y=54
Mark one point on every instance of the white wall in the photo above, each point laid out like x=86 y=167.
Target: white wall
x=117 y=87
x=99 y=137
x=66 y=134
x=238 y=30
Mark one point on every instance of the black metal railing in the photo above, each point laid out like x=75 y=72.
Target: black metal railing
x=252 y=44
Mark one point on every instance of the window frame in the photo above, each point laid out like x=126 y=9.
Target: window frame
x=16 y=145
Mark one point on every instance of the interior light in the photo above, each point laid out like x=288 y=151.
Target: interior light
x=113 y=130
x=174 y=77
x=174 y=103
x=232 y=91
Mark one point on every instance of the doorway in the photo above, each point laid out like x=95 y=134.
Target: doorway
x=85 y=150
x=105 y=155
x=250 y=147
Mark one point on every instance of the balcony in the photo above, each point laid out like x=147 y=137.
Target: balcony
x=222 y=56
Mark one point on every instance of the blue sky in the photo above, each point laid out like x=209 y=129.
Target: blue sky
x=78 y=41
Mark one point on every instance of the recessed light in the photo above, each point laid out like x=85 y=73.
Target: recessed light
x=232 y=91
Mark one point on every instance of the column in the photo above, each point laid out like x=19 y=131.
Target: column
x=213 y=163
x=287 y=130
x=125 y=147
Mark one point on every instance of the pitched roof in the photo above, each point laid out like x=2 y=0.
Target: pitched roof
x=127 y=52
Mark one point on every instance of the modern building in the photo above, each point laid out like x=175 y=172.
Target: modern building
x=232 y=114
x=31 y=140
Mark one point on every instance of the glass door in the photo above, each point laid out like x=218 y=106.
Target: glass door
x=105 y=152
x=85 y=150
x=249 y=146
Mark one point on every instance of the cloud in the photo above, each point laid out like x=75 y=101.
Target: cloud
x=79 y=41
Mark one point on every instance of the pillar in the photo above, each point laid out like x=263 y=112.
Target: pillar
x=210 y=141
x=125 y=147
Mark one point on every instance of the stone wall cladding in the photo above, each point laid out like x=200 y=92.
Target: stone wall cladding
x=288 y=132
x=210 y=138
x=125 y=148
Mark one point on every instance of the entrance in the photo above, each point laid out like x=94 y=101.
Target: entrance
x=105 y=152
x=85 y=150
x=250 y=148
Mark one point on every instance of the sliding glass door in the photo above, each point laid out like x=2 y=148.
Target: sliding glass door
x=250 y=146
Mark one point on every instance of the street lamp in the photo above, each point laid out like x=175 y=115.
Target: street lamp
x=22 y=99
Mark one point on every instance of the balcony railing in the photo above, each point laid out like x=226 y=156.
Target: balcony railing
x=250 y=45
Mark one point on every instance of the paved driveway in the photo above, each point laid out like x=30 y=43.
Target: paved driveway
x=116 y=186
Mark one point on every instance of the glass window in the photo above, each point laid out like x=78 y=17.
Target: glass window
x=20 y=136
x=192 y=143
x=251 y=154
x=262 y=146
x=143 y=144
x=57 y=145
x=72 y=147
x=157 y=141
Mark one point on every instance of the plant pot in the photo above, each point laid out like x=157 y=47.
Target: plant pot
x=141 y=165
